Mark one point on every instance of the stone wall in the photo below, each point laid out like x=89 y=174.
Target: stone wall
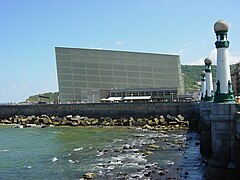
x=114 y=110
x=205 y=129
x=225 y=159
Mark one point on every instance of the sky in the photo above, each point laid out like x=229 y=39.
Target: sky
x=31 y=29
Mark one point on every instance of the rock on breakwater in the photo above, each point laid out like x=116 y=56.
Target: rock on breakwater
x=158 y=123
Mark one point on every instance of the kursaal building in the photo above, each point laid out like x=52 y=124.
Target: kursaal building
x=88 y=75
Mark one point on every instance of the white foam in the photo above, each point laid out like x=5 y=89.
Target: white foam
x=4 y=150
x=169 y=162
x=71 y=161
x=28 y=167
x=78 y=149
x=116 y=162
x=56 y=132
x=54 y=159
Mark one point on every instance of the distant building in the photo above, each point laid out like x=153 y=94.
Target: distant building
x=88 y=75
x=235 y=77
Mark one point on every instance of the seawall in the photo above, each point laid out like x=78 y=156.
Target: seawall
x=114 y=110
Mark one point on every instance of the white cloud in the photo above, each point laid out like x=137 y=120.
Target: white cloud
x=119 y=43
x=199 y=61
x=185 y=49
x=181 y=52
x=233 y=58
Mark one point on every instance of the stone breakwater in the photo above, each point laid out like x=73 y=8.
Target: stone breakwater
x=160 y=123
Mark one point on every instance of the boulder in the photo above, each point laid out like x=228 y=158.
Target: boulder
x=82 y=123
x=146 y=152
x=89 y=175
x=5 y=121
x=117 y=122
x=180 y=117
x=77 y=120
x=68 y=117
x=56 y=123
x=153 y=146
x=156 y=120
x=73 y=123
x=152 y=122
x=56 y=119
x=125 y=122
x=47 y=121
x=14 y=120
x=162 y=119
x=131 y=122
x=88 y=122
x=148 y=127
x=36 y=121
x=64 y=121
x=139 y=121
x=170 y=117
x=95 y=122
x=31 y=119
x=172 y=122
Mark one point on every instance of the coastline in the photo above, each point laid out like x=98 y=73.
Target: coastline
x=157 y=123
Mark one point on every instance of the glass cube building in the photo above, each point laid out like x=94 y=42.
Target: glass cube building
x=87 y=75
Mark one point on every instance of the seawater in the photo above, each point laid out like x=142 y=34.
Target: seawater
x=68 y=152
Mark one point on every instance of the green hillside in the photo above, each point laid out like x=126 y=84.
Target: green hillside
x=44 y=97
x=192 y=75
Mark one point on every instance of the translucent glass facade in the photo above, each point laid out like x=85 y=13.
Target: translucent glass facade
x=84 y=73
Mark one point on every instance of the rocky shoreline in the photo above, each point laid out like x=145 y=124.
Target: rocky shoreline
x=138 y=156
x=158 y=123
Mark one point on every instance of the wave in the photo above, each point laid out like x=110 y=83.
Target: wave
x=4 y=150
x=54 y=159
x=78 y=149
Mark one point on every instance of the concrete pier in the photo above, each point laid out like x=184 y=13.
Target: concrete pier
x=205 y=129
x=224 y=163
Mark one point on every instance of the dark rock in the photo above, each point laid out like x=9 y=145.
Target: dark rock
x=197 y=143
x=161 y=173
x=44 y=126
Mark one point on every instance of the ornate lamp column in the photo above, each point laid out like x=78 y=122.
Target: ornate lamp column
x=203 y=85
x=209 y=85
x=224 y=91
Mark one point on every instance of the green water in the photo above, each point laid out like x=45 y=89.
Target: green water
x=68 y=152
x=29 y=153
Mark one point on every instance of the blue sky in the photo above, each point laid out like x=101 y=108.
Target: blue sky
x=31 y=29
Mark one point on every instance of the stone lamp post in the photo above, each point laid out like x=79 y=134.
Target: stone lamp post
x=224 y=91
x=209 y=85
